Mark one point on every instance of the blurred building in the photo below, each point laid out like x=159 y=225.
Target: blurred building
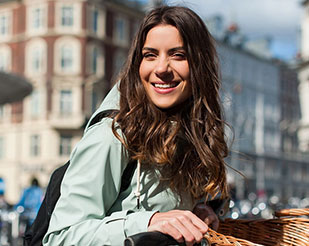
x=294 y=168
x=290 y=108
x=70 y=51
x=303 y=74
x=262 y=104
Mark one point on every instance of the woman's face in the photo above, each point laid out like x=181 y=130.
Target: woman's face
x=164 y=70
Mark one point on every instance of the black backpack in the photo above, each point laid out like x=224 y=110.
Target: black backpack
x=34 y=235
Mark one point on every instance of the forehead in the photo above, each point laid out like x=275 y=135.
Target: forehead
x=162 y=36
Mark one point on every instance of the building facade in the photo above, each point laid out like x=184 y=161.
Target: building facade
x=303 y=74
x=251 y=99
x=262 y=105
x=70 y=51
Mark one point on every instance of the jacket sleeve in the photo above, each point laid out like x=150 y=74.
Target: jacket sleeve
x=90 y=187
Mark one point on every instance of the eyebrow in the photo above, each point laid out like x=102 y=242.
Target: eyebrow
x=170 y=50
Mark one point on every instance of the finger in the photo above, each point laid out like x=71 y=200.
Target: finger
x=212 y=221
x=166 y=228
x=194 y=230
x=186 y=229
x=181 y=225
x=200 y=224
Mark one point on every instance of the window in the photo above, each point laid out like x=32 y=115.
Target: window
x=36 y=59
x=119 y=60
x=65 y=145
x=95 y=17
x=1 y=148
x=66 y=58
x=5 y=58
x=121 y=30
x=37 y=18
x=4 y=24
x=94 y=61
x=36 y=56
x=67 y=16
x=65 y=102
x=34 y=145
x=35 y=104
x=96 y=20
x=67 y=55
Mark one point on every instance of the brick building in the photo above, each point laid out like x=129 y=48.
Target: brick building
x=70 y=50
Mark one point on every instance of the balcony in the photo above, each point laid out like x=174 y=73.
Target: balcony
x=67 y=121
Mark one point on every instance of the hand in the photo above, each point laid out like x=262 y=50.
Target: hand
x=206 y=213
x=181 y=225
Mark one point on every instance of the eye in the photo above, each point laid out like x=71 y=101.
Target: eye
x=179 y=55
x=149 y=55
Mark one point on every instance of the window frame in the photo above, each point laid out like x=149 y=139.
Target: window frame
x=76 y=26
x=67 y=21
x=34 y=47
x=73 y=44
x=35 y=110
x=118 y=39
x=65 y=102
x=8 y=27
x=100 y=30
x=98 y=61
x=31 y=16
x=6 y=51
x=65 y=144
x=35 y=149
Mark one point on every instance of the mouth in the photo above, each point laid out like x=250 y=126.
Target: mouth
x=163 y=85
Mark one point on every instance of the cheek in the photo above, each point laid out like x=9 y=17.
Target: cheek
x=185 y=72
x=143 y=71
x=182 y=69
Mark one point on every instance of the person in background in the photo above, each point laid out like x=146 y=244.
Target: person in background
x=30 y=202
x=169 y=121
x=4 y=205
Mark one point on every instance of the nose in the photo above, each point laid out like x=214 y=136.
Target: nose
x=162 y=66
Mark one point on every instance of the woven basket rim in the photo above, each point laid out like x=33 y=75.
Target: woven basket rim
x=288 y=227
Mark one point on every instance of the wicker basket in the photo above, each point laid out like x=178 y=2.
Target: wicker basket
x=289 y=228
x=215 y=239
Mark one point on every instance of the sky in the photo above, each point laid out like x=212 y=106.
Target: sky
x=278 y=19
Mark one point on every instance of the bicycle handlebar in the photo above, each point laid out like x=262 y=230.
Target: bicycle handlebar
x=155 y=238
x=152 y=238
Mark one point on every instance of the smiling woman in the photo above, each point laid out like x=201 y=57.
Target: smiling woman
x=169 y=122
x=164 y=70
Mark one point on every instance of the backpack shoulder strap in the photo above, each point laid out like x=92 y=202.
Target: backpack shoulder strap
x=103 y=114
x=127 y=175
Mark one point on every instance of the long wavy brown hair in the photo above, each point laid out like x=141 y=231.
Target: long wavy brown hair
x=186 y=143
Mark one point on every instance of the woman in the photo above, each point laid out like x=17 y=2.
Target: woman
x=170 y=121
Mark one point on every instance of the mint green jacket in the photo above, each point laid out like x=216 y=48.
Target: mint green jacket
x=91 y=209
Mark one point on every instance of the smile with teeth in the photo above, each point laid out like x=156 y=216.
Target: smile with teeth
x=165 y=85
